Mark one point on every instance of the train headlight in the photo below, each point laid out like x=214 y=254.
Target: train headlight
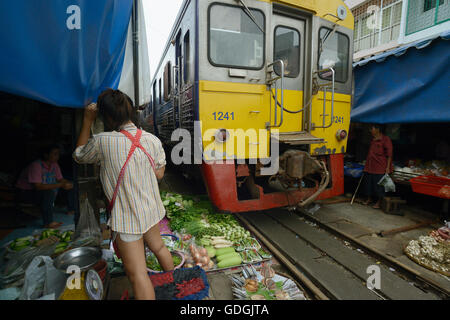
x=341 y=135
x=222 y=135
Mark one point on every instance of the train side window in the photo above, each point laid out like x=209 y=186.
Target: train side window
x=186 y=57
x=154 y=93
x=287 y=49
x=160 y=93
x=234 y=39
x=334 y=50
x=167 y=81
x=150 y=104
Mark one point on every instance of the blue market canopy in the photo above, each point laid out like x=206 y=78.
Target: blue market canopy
x=65 y=52
x=408 y=84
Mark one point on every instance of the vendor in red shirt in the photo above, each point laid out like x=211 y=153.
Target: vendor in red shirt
x=378 y=163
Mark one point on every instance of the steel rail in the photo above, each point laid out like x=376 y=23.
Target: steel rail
x=316 y=292
x=379 y=255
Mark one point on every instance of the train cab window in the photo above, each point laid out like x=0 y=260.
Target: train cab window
x=186 y=57
x=287 y=49
x=235 y=39
x=334 y=52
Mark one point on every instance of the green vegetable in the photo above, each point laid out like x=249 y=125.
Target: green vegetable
x=227 y=256
x=211 y=251
x=21 y=243
x=19 y=248
x=66 y=236
x=48 y=233
x=205 y=242
x=230 y=262
x=222 y=251
x=264 y=254
x=153 y=264
x=23 y=239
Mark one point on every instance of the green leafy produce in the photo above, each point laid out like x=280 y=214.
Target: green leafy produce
x=21 y=243
x=194 y=227
x=60 y=247
x=66 y=236
x=253 y=256
x=48 y=233
x=195 y=216
x=174 y=203
x=181 y=211
x=153 y=263
x=264 y=254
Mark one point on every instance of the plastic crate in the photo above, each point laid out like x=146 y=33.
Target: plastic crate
x=431 y=185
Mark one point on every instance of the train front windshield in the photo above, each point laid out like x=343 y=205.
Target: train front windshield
x=234 y=38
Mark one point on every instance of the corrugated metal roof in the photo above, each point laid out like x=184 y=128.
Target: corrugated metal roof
x=402 y=50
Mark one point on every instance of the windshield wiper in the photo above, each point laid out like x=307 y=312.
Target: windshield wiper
x=250 y=15
x=325 y=38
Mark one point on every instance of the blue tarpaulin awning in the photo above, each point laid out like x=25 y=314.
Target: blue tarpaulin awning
x=409 y=84
x=63 y=52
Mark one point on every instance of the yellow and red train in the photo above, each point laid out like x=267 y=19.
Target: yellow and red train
x=253 y=80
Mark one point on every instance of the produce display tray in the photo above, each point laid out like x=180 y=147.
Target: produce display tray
x=251 y=284
x=431 y=185
x=403 y=177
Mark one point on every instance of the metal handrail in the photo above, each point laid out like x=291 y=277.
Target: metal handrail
x=276 y=93
x=325 y=98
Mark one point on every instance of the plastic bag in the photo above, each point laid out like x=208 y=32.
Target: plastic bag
x=87 y=231
x=10 y=293
x=42 y=280
x=18 y=263
x=387 y=183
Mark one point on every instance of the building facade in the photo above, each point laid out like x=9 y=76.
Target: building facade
x=381 y=25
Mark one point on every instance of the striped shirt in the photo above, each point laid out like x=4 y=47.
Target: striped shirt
x=138 y=204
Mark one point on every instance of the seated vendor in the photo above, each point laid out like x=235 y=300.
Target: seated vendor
x=39 y=183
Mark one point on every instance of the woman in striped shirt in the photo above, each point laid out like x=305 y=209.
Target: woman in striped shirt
x=132 y=189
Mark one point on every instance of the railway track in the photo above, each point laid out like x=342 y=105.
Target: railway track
x=330 y=266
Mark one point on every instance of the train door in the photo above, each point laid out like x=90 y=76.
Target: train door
x=288 y=46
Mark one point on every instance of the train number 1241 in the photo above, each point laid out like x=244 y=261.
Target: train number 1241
x=338 y=119
x=223 y=116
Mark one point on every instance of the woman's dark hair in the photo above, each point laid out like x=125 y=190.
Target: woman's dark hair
x=116 y=109
x=378 y=126
x=45 y=150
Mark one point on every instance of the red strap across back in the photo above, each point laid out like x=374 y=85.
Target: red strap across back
x=134 y=144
